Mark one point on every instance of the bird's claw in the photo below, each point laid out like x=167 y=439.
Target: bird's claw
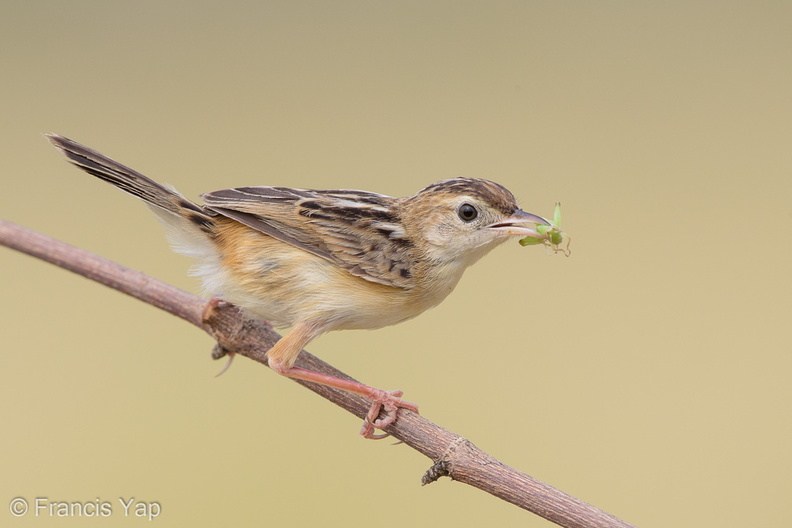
x=386 y=403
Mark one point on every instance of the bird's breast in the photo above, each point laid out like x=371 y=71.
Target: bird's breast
x=283 y=285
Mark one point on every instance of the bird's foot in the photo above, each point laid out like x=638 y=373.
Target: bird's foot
x=212 y=308
x=385 y=403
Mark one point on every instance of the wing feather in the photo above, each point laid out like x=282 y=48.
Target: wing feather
x=359 y=231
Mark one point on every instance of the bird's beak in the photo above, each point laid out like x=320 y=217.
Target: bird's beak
x=521 y=224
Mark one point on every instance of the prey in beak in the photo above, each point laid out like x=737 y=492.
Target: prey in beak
x=535 y=229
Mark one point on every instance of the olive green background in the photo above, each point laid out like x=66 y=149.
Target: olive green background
x=647 y=374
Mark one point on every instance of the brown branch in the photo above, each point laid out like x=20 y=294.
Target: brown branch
x=453 y=455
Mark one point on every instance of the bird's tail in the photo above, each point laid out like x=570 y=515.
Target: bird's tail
x=132 y=182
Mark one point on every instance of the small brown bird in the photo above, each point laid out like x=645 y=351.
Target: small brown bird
x=320 y=260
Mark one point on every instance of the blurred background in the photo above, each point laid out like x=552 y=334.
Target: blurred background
x=647 y=374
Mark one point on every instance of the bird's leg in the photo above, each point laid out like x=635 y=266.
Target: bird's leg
x=282 y=356
x=387 y=401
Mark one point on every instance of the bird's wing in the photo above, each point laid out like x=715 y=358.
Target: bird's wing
x=359 y=231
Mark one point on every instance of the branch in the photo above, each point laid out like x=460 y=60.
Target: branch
x=453 y=455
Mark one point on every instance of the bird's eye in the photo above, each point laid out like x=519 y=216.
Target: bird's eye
x=467 y=212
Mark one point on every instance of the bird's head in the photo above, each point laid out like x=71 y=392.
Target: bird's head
x=462 y=219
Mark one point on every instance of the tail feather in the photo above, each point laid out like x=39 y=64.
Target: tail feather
x=126 y=179
x=130 y=181
x=190 y=228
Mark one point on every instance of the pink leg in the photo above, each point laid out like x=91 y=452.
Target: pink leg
x=389 y=401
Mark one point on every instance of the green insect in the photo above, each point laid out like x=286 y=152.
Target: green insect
x=551 y=235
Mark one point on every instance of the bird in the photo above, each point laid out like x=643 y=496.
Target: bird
x=315 y=261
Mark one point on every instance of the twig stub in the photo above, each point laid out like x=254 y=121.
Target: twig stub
x=438 y=469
